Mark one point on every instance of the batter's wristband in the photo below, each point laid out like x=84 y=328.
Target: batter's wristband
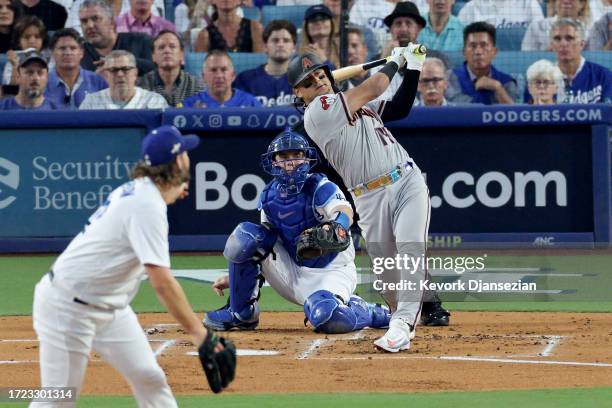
x=389 y=69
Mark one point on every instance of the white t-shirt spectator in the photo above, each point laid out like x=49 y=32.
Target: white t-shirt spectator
x=142 y=99
x=598 y=9
x=502 y=13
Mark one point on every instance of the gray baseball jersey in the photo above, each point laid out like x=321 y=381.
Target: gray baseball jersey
x=394 y=220
x=357 y=145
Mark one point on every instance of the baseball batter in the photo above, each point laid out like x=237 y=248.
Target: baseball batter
x=83 y=302
x=388 y=188
x=293 y=206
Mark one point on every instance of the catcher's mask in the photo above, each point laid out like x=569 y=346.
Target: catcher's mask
x=290 y=175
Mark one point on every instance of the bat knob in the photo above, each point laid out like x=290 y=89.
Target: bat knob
x=420 y=49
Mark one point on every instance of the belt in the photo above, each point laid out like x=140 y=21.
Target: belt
x=76 y=299
x=384 y=180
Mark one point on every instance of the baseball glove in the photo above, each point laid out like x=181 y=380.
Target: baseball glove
x=322 y=239
x=220 y=367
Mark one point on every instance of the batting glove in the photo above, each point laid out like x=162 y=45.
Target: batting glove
x=414 y=58
x=397 y=56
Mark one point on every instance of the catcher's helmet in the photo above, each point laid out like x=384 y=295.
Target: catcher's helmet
x=303 y=65
x=289 y=181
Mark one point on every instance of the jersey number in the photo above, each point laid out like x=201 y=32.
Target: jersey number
x=385 y=135
x=128 y=190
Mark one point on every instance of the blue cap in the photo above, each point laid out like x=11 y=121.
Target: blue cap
x=317 y=9
x=163 y=144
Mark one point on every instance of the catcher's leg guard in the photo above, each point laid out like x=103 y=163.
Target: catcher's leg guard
x=242 y=309
x=250 y=242
x=328 y=314
x=247 y=245
x=379 y=315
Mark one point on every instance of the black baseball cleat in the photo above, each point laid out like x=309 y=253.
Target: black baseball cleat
x=433 y=314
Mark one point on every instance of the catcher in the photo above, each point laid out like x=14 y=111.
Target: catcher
x=302 y=248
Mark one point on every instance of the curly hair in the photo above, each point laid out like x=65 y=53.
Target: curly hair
x=165 y=175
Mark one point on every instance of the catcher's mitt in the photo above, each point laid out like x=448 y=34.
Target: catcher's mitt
x=322 y=239
x=220 y=367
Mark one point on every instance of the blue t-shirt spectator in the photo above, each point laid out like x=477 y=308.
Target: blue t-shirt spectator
x=462 y=89
x=57 y=91
x=269 y=90
x=592 y=84
x=11 y=104
x=450 y=39
x=204 y=100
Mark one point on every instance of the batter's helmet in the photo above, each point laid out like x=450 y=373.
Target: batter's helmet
x=289 y=181
x=303 y=65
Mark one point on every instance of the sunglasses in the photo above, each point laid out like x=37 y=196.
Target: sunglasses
x=311 y=80
x=115 y=70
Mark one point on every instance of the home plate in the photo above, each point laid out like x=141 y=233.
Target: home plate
x=246 y=352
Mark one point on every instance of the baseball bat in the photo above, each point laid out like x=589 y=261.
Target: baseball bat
x=342 y=74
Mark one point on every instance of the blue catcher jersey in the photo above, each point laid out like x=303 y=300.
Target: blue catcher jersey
x=292 y=214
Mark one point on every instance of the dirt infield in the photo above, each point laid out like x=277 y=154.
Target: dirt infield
x=480 y=351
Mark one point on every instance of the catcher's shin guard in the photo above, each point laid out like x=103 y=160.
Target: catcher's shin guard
x=328 y=314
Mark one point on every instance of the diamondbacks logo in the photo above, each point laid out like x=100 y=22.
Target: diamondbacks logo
x=324 y=104
x=306 y=63
x=9 y=176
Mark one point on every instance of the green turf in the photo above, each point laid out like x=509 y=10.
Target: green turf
x=18 y=275
x=554 y=398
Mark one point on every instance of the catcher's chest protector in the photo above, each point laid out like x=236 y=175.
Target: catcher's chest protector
x=293 y=214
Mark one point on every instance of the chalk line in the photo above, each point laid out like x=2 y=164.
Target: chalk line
x=314 y=345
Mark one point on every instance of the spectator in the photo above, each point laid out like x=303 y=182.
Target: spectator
x=432 y=83
x=29 y=33
x=68 y=82
x=101 y=38
x=405 y=24
x=370 y=13
x=335 y=6
x=600 y=37
x=268 y=82
x=122 y=92
x=118 y=7
x=584 y=81
x=228 y=31
x=218 y=74
x=10 y=12
x=32 y=79
x=443 y=32
x=317 y=36
x=537 y=37
x=477 y=80
x=357 y=53
x=140 y=19
x=502 y=13
x=544 y=80
x=169 y=79
x=52 y=14
x=599 y=8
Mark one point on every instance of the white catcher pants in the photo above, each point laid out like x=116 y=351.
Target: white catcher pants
x=296 y=283
x=68 y=331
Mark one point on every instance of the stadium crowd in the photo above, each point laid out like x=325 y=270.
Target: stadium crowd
x=139 y=54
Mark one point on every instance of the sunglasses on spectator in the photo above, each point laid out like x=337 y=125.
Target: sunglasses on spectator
x=310 y=81
x=115 y=70
x=434 y=80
